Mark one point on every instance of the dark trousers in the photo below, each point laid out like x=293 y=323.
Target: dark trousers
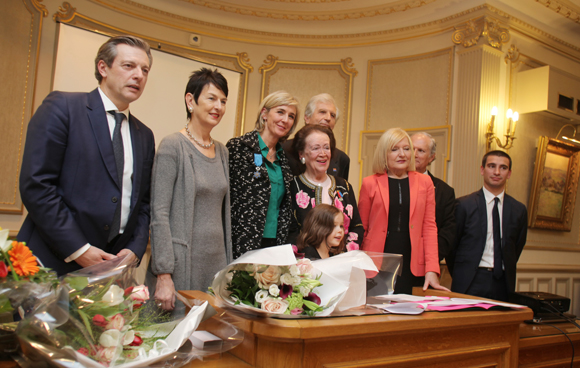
x=486 y=286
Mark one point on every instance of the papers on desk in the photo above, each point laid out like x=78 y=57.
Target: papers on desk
x=411 y=304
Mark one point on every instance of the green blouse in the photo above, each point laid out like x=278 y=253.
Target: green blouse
x=276 y=189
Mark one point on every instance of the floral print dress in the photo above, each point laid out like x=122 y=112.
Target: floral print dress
x=306 y=195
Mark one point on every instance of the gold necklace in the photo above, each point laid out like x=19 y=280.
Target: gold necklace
x=195 y=140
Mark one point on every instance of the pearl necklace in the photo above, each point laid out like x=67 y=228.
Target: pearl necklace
x=317 y=182
x=195 y=140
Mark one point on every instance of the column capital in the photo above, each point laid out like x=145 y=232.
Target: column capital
x=484 y=29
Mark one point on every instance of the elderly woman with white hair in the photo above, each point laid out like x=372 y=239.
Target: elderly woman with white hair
x=260 y=177
x=397 y=209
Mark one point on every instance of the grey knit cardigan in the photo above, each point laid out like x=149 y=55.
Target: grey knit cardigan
x=173 y=199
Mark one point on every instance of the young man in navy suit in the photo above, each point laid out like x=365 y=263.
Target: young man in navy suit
x=87 y=164
x=491 y=234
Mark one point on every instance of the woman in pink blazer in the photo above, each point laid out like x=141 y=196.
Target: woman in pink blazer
x=397 y=209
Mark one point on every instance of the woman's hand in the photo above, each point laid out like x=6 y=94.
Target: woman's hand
x=432 y=279
x=165 y=291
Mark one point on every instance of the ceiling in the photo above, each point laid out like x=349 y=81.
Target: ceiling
x=331 y=20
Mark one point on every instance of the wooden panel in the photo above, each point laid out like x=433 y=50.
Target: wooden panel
x=544 y=285
x=562 y=286
x=546 y=346
x=575 y=297
x=409 y=91
x=525 y=284
x=304 y=79
x=20 y=29
x=279 y=353
x=486 y=356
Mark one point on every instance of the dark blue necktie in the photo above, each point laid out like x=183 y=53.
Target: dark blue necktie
x=119 y=153
x=497 y=257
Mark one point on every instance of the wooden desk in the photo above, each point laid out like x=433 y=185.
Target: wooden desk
x=542 y=345
x=432 y=339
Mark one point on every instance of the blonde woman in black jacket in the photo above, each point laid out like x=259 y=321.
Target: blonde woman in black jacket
x=260 y=177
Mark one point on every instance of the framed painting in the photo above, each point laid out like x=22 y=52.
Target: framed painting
x=554 y=185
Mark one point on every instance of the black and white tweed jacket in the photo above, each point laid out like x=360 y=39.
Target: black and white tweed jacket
x=250 y=193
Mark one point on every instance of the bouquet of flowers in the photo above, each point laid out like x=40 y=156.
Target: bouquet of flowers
x=100 y=317
x=23 y=284
x=272 y=282
x=276 y=289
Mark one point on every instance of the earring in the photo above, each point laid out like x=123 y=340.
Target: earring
x=190 y=109
x=303 y=160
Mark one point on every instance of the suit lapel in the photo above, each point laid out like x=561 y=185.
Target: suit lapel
x=383 y=184
x=98 y=119
x=482 y=211
x=137 y=143
x=437 y=192
x=413 y=191
x=506 y=215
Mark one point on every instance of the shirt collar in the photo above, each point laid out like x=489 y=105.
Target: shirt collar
x=109 y=105
x=264 y=149
x=489 y=196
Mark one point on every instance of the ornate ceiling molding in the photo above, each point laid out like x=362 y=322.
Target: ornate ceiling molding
x=337 y=39
x=469 y=33
x=353 y=13
x=563 y=8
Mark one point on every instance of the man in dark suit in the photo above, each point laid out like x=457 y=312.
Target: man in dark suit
x=321 y=110
x=86 y=167
x=425 y=153
x=491 y=234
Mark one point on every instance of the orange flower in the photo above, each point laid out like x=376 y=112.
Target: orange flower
x=23 y=261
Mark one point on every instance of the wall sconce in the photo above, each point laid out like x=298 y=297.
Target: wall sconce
x=510 y=133
x=573 y=139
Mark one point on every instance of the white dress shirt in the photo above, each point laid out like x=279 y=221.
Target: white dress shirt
x=127 y=168
x=487 y=257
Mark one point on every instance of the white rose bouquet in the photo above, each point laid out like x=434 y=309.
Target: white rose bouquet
x=276 y=289
x=273 y=282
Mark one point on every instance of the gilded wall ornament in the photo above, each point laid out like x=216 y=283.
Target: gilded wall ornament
x=65 y=13
x=39 y=7
x=348 y=66
x=513 y=54
x=490 y=29
x=269 y=63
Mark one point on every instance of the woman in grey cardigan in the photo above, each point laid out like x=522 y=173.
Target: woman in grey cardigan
x=190 y=210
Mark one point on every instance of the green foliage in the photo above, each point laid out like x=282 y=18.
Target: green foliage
x=86 y=321
x=294 y=301
x=77 y=283
x=5 y=305
x=243 y=287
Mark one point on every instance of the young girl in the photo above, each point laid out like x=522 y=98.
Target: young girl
x=322 y=233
